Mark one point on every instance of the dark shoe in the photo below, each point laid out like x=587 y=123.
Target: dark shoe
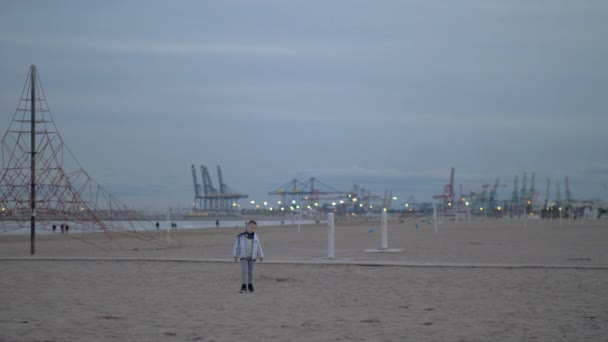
x=243 y=288
x=250 y=287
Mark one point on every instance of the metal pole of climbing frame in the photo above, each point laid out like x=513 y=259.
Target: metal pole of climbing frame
x=33 y=159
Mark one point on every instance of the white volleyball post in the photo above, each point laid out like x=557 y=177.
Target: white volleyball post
x=330 y=235
x=384 y=222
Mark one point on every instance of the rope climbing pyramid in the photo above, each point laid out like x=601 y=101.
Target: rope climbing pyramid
x=42 y=184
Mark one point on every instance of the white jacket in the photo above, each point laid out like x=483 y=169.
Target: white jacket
x=240 y=247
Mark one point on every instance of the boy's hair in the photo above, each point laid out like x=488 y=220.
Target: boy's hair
x=252 y=221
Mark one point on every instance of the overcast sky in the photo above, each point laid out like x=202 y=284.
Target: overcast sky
x=384 y=94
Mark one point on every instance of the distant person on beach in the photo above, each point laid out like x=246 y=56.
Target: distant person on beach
x=217 y=223
x=67 y=228
x=54 y=227
x=247 y=248
x=157 y=225
x=62 y=228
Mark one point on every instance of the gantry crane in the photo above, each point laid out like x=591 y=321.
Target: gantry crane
x=212 y=198
x=308 y=191
x=198 y=196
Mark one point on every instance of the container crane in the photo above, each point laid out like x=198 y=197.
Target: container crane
x=208 y=189
x=533 y=197
x=309 y=190
x=547 y=194
x=198 y=196
x=448 y=189
x=515 y=197
x=558 y=194
x=212 y=198
x=492 y=198
x=524 y=190
x=568 y=194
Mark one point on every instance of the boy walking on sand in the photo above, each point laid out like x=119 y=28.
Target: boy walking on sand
x=247 y=248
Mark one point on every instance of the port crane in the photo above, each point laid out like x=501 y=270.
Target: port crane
x=209 y=198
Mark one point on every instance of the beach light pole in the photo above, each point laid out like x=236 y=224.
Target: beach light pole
x=330 y=236
x=384 y=230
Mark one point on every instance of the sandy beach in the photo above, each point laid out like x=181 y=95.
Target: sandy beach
x=485 y=281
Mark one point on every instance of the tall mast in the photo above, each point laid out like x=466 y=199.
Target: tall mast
x=33 y=158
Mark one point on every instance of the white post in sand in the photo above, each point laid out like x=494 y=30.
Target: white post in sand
x=300 y=218
x=435 y=216
x=384 y=230
x=330 y=235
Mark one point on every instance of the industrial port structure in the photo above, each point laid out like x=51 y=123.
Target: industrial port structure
x=314 y=194
x=523 y=201
x=311 y=195
x=209 y=198
x=295 y=195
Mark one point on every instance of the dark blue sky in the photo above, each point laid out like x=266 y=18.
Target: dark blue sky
x=384 y=94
